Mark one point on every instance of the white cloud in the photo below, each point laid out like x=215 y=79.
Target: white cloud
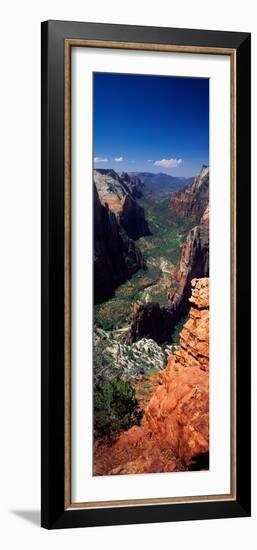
x=168 y=163
x=150 y=160
x=118 y=159
x=100 y=159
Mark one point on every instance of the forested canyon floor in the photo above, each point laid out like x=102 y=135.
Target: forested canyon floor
x=162 y=251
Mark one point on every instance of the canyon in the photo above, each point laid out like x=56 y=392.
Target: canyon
x=193 y=201
x=151 y=320
x=115 y=194
x=174 y=432
x=118 y=222
x=151 y=282
x=159 y=185
x=133 y=183
x=116 y=256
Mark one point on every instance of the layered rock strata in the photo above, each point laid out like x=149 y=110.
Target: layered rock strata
x=133 y=183
x=158 y=322
x=116 y=256
x=152 y=321
x=174 y=433
x=194 y=263
x=192 y=201
x=116 y=195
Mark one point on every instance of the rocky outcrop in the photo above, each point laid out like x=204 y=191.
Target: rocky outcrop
x=194 y=263
x=110 y=190
x=151 y=321
x=132 y=218
x=133 y=183
x=116 y=256
x=193 y=200
x=174 y=433
x=194 y=338
x=114 y=357
x=204 y=221
x=117 y=196
x=158 y=322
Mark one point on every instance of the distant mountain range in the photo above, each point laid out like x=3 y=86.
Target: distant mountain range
x=160 y=184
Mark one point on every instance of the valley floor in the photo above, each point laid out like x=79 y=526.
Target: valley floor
x=162 y=251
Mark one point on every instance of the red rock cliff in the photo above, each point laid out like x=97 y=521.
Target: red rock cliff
x=194 y=263
x=174 y=434
x=193 y=199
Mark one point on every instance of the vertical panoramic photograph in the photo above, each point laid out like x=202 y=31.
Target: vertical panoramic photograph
x=150 y=274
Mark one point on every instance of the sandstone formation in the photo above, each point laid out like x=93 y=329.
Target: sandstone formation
x=133 y=183
x=151 y=321
x=117 y=196
x=194 y=263
x=194 y=338
x=192 y=201
x=116 y=256
x=158 y=322
x=174 y=433
x=205 y=217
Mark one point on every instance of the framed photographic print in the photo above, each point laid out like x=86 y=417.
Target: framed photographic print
x=145 y=274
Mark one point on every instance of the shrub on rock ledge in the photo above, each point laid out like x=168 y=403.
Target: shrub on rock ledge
x=115 y=407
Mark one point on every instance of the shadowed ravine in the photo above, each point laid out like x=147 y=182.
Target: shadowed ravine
x=161 y=250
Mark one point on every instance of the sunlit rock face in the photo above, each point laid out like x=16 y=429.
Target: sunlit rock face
x=194 y=337
x=152 y=321
x=114 y=357
x=194 y=263
x=117 y=196
x=204 y=221
x=158 y=322
x=192 y=201
x=174 y=433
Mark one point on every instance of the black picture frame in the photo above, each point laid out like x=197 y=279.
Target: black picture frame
x=54 y=514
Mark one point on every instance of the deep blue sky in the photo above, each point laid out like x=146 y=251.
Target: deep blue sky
x=142 y=119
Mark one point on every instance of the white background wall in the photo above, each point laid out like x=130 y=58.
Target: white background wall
x=20 y=272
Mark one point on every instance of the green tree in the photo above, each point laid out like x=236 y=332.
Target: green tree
x=115 y=407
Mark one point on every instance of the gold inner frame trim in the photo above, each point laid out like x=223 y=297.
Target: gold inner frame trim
x=68 y=44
